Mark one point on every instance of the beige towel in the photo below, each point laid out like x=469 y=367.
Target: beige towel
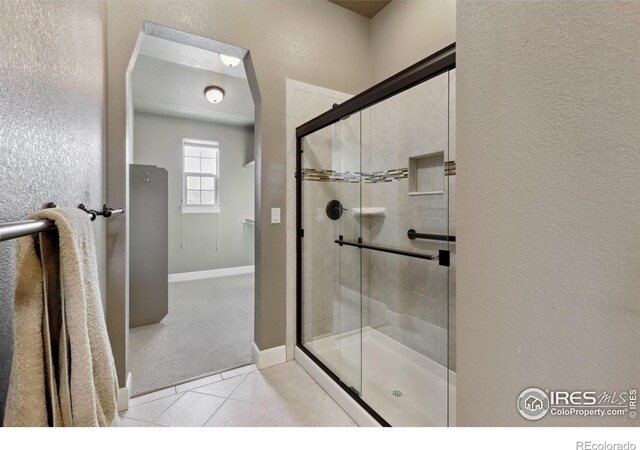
x=63 y=372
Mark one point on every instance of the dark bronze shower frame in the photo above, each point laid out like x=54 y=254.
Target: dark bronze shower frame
x=430 y=67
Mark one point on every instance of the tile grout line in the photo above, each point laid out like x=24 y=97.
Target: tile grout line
x=143 y=421
x=246 y=375
x=151 y=393
x=225 y=398
x=326 y=394
x=315 y=420
x=155 y=400
x=214 y=412
x=219 y=396
x=274 y=399
x=165 y=410
x=208 y=395
x=268 y=410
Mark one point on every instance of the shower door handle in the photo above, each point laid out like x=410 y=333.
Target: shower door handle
x=443 y=256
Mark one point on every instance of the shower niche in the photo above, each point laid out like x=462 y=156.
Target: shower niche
x=376 y=309
x=426 y=174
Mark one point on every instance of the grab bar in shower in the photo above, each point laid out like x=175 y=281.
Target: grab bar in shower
x=442 y=257
x=413 y=234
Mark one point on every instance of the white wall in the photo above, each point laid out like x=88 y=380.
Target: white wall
x=406 y=31
x=211 y=241
x=548 y=203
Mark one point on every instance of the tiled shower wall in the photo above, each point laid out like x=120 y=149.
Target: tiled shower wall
x=407 y=297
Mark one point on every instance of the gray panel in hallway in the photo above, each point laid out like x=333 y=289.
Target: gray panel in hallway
x=148 y=248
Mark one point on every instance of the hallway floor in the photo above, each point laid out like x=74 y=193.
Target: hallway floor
x=209 y=329
x=279 y=396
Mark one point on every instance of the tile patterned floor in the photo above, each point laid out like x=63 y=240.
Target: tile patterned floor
x=279 y=396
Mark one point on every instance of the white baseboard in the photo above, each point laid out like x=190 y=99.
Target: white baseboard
x=268 y=357
x=215 y=273
x=124 y=395
x=350 y=406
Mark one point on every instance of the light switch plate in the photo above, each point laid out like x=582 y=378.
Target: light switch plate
x=275 y=215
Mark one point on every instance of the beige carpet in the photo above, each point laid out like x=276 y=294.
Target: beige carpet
x=209 y=328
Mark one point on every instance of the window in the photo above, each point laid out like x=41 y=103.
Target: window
x=200 y=193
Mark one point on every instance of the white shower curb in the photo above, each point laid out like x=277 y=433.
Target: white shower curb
x=350 y=406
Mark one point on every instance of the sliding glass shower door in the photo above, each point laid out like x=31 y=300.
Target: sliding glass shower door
x=332 y=274
x=377 y=252
x=405 y=334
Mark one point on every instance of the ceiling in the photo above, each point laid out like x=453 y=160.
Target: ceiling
x=367 y=8
x=169 y=79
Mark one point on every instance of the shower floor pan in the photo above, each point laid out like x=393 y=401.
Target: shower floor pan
x=401 y=385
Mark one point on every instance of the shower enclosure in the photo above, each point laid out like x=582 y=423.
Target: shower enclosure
x=376 y=244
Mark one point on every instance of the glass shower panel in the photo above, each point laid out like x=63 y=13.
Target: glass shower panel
x=331 y=281
x=347 y=155
x=405 y=297
x=319 y=329
x=378 y=239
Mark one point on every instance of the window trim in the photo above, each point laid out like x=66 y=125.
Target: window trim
x=200 y=209
x=207 y=208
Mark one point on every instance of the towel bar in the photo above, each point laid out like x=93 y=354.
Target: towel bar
x=13 y=230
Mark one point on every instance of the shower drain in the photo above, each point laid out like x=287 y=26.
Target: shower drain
x=396 y=393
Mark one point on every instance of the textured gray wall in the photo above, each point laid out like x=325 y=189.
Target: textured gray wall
x=51 y=126
x=286 y=40
x=405 y=32
x=548 y=204
x=158 y=141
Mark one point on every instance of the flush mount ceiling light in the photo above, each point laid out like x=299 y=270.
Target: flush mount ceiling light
x=214 y=94
x=229 y=61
